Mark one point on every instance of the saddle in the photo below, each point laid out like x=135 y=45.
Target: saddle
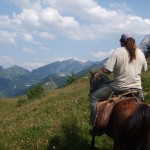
x=103 y=112
x=104 y=108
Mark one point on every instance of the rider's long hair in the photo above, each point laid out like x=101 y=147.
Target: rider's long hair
x=131 y=47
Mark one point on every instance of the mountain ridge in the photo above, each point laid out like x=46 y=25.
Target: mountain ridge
x=19 y=80
x=144 y=43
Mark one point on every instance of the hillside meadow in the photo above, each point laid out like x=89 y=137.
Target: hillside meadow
x=57 y=121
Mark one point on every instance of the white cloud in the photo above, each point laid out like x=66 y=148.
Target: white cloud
x=45 y=35
x=28 y=17
x=96 y=21
x=101 y=54
x=54 y=21
x=7 y=37
x=4 y=21
x=78 y=20
x=27 y=37
x=138 y=25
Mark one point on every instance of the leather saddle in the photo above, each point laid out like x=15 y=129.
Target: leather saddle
x=104 y=108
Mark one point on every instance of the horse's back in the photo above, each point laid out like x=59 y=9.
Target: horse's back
x=130 y=124
x=125 y=108
x=122 y=110
x=136 y=129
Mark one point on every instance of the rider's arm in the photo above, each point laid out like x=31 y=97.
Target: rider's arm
x=110 y=64
x=104 y=70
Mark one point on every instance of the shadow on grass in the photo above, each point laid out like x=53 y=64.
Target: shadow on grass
x=69 y=138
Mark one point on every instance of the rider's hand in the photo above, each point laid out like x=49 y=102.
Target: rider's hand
x=97 y=75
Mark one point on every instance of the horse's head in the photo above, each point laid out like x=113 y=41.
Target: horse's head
x=98 y=81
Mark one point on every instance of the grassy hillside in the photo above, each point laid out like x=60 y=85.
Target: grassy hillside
x=146 y=82
x=58 y=121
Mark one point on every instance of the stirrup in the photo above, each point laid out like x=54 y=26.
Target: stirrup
x=93 y=132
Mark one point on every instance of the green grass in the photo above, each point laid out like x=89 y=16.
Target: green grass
x=58 y=121
x=146 y=82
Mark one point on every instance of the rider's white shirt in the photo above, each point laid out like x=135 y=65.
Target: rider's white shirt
x=126 y=74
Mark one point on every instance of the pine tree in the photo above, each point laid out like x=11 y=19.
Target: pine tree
x=71 y=78
x=36 y=92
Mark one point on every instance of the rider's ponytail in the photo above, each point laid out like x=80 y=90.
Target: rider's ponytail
x=131 y=47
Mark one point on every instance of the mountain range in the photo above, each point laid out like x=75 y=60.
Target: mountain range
x=16 y=80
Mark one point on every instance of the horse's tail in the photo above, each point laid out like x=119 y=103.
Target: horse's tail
x=137 y=127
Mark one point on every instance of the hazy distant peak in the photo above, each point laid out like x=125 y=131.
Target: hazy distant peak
x=145 y=42
x=16 y=70
x=72 y=59
x=14 y=67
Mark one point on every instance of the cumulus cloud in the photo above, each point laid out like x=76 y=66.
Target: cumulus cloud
x=96 y=21
x=28 y=18
x=27 y=37
x=102 y=54
x=45 y=35
x=78 y=20
x=7 y=37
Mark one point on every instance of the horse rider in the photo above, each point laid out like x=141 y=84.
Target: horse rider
x=126 y=63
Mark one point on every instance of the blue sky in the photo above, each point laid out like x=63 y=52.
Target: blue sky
x=38 y=32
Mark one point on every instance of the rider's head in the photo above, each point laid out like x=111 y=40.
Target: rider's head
x=128 y=41
x=126 y=37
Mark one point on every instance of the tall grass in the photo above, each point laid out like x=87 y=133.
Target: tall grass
x=58 y=121
x=146 y=82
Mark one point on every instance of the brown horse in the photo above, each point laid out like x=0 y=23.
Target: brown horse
x=129 y=123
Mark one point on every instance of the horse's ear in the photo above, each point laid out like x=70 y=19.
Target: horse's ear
x=91 y=72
